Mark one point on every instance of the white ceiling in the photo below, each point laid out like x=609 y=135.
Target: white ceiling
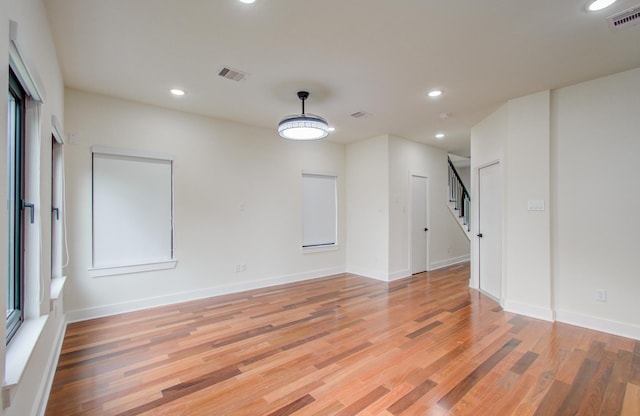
x=375 y=56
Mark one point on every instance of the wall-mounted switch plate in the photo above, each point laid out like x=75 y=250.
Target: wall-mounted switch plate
x=535 y=205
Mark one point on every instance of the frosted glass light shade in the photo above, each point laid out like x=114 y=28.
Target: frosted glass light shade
x=303 y=127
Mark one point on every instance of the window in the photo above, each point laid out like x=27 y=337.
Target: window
x=132 y=212
x=56 y=206
x=319 y=210
x=15 y=194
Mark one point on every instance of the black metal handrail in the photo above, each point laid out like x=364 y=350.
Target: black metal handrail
x=458 y=195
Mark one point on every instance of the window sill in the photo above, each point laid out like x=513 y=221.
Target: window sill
x=132 y=268
x=320 y=249
x=18 y=354
x=57 y=284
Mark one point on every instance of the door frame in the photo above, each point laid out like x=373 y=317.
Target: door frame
x=410 y=219
x=476 y=229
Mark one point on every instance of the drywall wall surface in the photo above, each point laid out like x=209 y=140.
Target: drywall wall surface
x=368 y=207
x=595 y=148
x=447 y=243
x=527 y=217
x=237 y=202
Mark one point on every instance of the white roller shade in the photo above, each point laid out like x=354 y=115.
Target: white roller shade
x=318 y=210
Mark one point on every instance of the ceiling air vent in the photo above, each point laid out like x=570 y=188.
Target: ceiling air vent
x=232 y=74
x=360 y=114
x=626 y=18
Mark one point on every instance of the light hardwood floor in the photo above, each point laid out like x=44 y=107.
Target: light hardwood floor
x=344 y=345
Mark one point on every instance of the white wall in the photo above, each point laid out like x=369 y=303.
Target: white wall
x=517 y=137
x=595 y=148
x=378 y=196
x=527 y=233
x=575 y=148
x=368 y=207
x=38 y=50
x=447 y=243
x=219 y=167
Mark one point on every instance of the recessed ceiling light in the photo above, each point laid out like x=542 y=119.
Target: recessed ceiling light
x=434 y=93
x=177 y=92
x=596 y=5
x=440 y=136
x=247 y=1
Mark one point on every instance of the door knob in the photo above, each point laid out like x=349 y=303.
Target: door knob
x=480 y=235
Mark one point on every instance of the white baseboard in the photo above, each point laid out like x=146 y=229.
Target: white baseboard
x=372 y=274
x=114 y=309
x=449 y=262
x=531 y=311
x=52 y=363
x=400 y=274
x=622 y=329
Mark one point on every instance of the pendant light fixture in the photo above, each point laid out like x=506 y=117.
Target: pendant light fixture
x=303 y=126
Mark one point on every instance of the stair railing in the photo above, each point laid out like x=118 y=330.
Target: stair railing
x=458 y=195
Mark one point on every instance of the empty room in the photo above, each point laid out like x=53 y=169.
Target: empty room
x=336 y=207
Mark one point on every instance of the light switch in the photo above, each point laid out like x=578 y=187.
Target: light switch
x=535 y=205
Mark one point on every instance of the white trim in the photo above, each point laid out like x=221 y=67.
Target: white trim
x=372 y=274
x=57 y=284
x=533 y=311
x=56 y=129
x=55 y=295
x=130 y=153
x=622 y=329
x=400 y=274
x=319 y=173
x=320 y=249
x=19 y=66
x=114 y=309
x=449 y=262
x=18 y=354
x=52 y=363
x=132 y=268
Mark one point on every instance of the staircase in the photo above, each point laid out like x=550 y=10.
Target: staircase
x=459 y=200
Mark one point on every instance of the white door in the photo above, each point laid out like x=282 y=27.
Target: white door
x=489 y=230
x=419 y=227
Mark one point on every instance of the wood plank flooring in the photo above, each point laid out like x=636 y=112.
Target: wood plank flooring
x=344 y=345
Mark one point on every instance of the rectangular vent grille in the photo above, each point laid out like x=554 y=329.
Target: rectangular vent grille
x=625 y=18
x=360 y=114
x=232 y=74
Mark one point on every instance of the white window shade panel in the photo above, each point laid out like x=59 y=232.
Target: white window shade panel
x=132 y=210
x=319 y=210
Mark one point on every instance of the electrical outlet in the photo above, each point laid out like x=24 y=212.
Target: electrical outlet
x=601 y=295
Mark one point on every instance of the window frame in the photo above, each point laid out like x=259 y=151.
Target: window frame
x=56 y=205
x=16 y=187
